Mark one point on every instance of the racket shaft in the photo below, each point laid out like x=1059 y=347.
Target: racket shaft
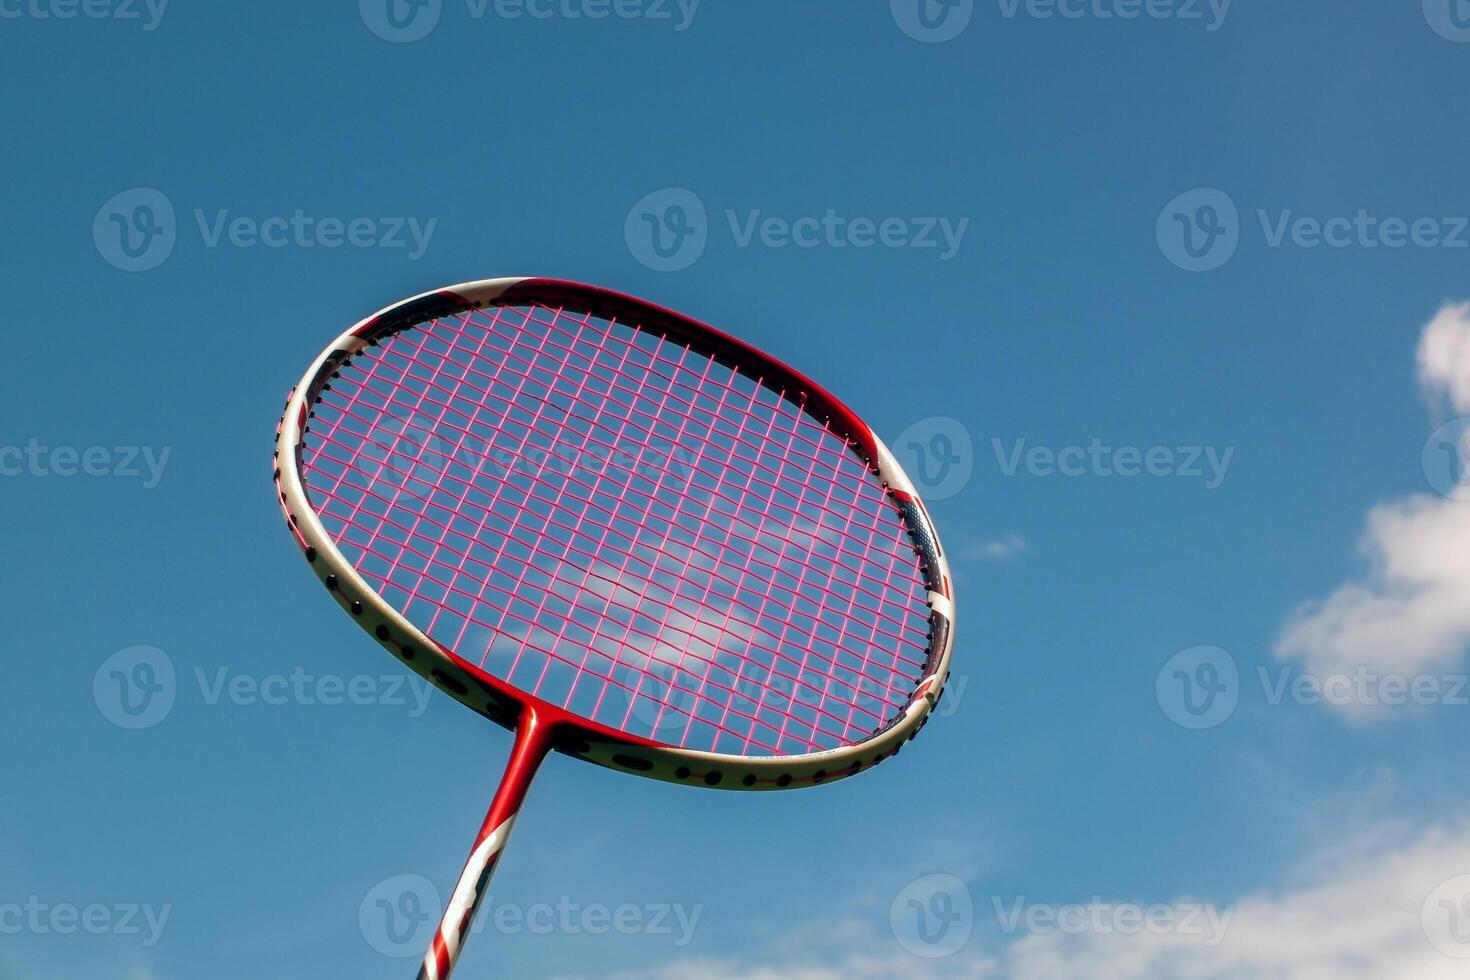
x=533 y=740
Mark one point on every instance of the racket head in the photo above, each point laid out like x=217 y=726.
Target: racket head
x=503 y=702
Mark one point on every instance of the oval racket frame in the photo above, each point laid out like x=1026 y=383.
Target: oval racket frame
x=504 y=704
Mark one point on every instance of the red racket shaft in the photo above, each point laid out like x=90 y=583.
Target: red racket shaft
x=533 y=739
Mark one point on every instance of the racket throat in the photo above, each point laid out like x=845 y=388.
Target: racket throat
x=534 y=737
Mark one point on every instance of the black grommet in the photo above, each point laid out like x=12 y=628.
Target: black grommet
x=819 y=775
x=682 y=772
x=311 y=555
x=783 y=780
x=408 y=652
x=748 y=781
x=331 y=583
x=713 y=778
x=632 y=762
x=381 y=633
x=356 y=608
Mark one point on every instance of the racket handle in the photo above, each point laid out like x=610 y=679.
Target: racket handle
x=533 y=741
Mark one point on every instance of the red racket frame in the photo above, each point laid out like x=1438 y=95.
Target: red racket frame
x=539 y=725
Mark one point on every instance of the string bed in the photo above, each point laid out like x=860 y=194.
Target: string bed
x=616 y=523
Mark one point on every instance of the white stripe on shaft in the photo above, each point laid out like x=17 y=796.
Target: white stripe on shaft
x=467 y=898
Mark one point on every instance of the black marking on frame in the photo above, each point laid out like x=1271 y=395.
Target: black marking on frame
x=939 y=630
x=451 y=683
x=927 y=546
x=409 y=314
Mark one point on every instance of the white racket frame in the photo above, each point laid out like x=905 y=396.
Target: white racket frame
x=500 y=701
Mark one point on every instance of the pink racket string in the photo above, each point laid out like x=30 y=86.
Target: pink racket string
x=624 y=527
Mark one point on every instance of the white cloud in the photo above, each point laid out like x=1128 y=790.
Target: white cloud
x=1408 y=613
x=1361 y=920
x=1358 y=911
x=1444 y=357
x=1001 y=549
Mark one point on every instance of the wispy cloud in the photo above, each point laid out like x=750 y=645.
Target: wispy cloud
x=1408 y=612
x=1368 y=907
x=999 y=549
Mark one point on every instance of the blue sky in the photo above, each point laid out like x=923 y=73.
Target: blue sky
x=1218 y=246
